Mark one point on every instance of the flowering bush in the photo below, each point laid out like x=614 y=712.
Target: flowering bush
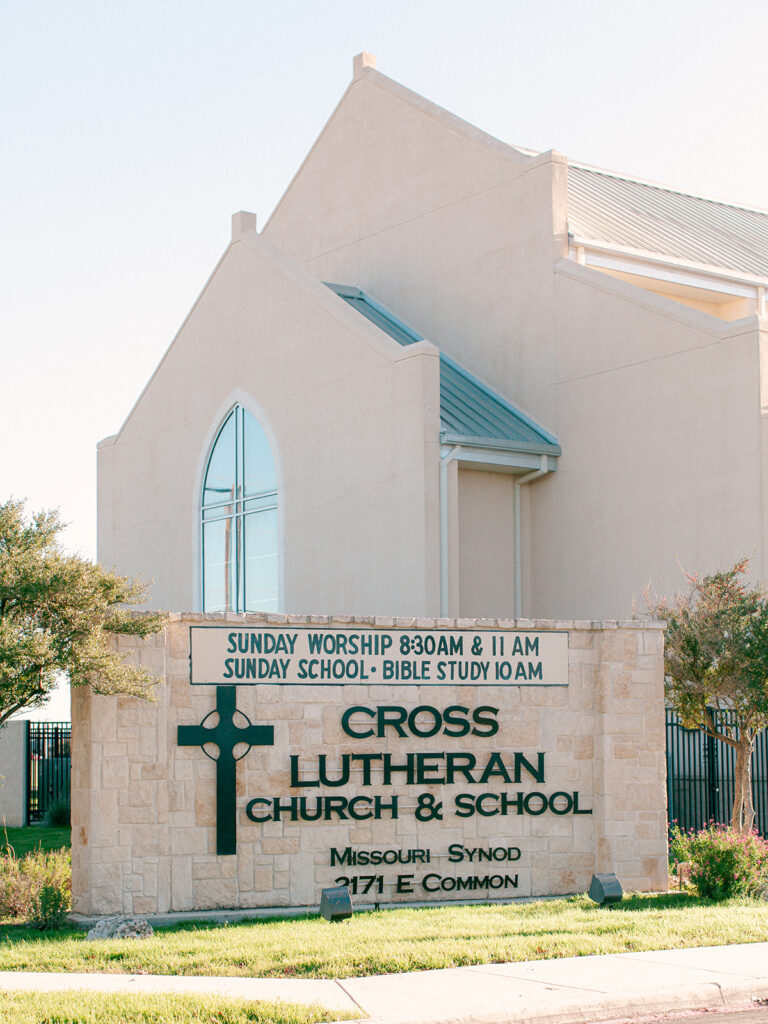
x=724 y=862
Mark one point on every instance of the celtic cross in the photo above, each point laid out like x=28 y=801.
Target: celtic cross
x=226 y=736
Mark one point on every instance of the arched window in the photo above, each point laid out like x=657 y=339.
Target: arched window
x=239 y=519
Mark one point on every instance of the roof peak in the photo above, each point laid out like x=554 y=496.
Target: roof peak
x=365 y=60
x=360 y=61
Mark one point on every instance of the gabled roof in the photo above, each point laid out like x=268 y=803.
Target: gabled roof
x=470 y=412
x=610 y=209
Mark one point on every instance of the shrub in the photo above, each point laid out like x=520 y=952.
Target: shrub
x=23 y=880
x=59 y=815
x=724 y=862
x=49 y=907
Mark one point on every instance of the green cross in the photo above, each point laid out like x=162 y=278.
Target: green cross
x=226 y=736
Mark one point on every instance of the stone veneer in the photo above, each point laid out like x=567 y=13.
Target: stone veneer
x=143 y=809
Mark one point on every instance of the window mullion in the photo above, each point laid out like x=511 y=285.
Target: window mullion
x=239 y=472
x=225 y=540
x=238 y=563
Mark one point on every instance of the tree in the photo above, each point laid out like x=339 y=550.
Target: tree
x=716 y=659
x=57 y=614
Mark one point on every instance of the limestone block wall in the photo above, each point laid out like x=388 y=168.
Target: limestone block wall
x=144 y=808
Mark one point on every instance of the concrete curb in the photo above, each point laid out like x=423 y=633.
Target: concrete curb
x=606 y=1010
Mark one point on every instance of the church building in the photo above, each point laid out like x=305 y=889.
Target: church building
x=452 y=377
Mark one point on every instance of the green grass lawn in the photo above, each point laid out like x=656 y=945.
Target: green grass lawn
x=24 y=840
x=388 y=941
x=92 y=1008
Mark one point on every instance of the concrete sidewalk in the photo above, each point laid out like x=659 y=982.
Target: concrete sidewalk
x=578 y=989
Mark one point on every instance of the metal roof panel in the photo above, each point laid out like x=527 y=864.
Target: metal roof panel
x=468 y=408
x=609 y=209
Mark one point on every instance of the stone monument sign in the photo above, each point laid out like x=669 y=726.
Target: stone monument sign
x=412 y=760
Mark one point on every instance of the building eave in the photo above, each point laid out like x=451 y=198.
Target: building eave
x=498 y=456
x=665 y=268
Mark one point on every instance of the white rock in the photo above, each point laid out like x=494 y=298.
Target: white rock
x=121 y=927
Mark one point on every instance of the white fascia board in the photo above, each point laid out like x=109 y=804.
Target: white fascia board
x=630 y=261
x=498 y=461
x=505 y=447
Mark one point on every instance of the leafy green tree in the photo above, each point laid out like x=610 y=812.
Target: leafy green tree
x=716 y=658
x=57 y=614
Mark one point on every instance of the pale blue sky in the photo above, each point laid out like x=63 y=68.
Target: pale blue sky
x=131 y=132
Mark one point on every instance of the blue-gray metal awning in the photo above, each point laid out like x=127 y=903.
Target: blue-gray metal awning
x=471 y=413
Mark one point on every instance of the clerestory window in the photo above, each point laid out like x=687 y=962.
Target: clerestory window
x=239 y=519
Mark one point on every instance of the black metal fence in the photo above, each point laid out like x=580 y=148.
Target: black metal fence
x=700 y=776
x=49 y=766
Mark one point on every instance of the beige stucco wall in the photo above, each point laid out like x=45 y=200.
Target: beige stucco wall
x=449 y=228
x=657 y=406
x=659 y=419
x=143 y=836
x=13 y=767
x=485 y=549
x=353 y=418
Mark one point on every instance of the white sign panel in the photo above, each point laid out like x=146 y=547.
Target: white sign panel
x=244 y=656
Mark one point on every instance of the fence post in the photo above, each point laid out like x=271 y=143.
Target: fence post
x=713 y=789
x=671 y=802
x=27 y=775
